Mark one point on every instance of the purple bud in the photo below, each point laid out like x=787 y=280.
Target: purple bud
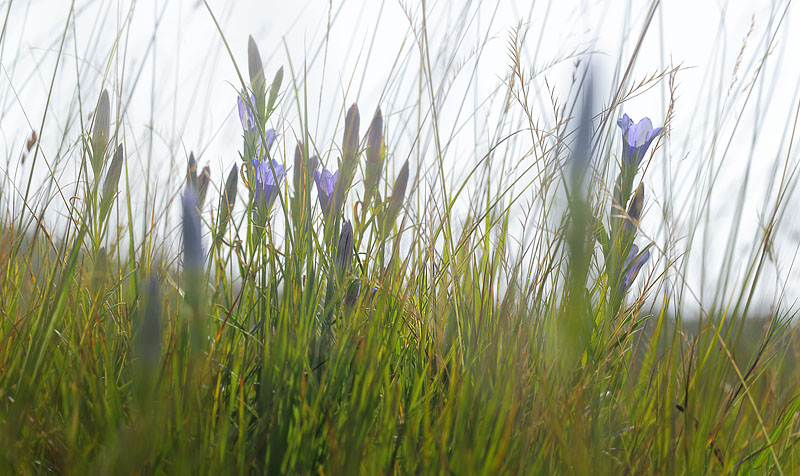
x=326 y=188
x=344 y=250
x=246 y=102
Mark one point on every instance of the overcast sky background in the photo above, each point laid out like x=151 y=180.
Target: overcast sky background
x=175 y=86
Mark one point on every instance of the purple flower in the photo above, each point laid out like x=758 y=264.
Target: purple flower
x=267 y=182
x=326 y=186
x=633 y=264
x=636 y=138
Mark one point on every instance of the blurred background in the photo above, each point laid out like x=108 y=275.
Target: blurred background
x=170 y=67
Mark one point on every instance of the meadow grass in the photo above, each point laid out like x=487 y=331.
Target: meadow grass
x=418 y=312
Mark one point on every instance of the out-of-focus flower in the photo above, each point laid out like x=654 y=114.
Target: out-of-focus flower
x=192 y=243
x=268 y=180
x=148 y=338
x=344 y=250
x=326 y=188
x=636 y=138
x=633 y=264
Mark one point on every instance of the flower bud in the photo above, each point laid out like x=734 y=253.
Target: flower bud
x=399 y=188
x=350 y=140
x=631 y=220
x=274 y=89
x=344 y=250
x=226 y=202
x=202 y=185
x=254 y=64
x=191 y=173
x=102 y=118
x=374 y=146
x=112 y=176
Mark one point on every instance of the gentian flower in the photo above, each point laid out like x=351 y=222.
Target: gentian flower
x=267 y=182
x=636 y=138
x=326 y=187
x=633 y=265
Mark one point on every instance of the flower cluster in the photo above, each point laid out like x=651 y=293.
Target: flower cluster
x=264 y=173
